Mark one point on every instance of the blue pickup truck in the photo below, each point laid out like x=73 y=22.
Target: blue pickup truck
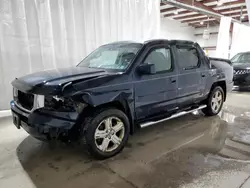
x=118 y=88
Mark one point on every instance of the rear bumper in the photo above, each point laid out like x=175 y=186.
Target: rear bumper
x=43 y=124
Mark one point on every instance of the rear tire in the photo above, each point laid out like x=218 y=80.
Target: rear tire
x=214 y=102
x=107 y=132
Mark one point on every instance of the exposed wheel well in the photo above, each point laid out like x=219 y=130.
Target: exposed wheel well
x=222 y=84
x=120 y=105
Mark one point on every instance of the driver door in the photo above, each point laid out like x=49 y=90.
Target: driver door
x=156 y=94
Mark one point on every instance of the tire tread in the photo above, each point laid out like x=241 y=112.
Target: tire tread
x=208 y=110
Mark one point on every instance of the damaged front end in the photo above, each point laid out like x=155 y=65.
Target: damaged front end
x=45 y=117
x=47 y=104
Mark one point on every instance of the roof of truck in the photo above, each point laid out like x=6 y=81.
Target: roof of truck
x=155 y=41
x=158 y=41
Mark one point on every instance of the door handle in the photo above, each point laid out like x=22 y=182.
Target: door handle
x=173 y=80
x=203 y=75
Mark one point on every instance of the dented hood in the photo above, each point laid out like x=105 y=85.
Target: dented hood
x=51 y=80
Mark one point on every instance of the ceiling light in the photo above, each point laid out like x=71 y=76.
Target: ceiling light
x=176 y=12
x=243 y=16
x=201 y=23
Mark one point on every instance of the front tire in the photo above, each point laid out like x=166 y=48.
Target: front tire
x=107 y=133
x=214 y=102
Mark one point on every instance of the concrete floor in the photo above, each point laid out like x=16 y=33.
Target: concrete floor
x=191 y=151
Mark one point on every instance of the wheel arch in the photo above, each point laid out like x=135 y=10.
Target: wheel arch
x=223 y=85
x=90 y=110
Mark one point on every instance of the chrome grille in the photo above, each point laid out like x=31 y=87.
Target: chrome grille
x=27 y=101
x=241 y=71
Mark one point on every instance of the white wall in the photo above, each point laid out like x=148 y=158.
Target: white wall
x=211 y=42
x=172 y=29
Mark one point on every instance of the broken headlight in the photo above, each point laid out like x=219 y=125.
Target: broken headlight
x=60 y=104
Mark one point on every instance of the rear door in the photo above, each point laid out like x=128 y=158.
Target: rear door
x=191 y=77
x=156 y=94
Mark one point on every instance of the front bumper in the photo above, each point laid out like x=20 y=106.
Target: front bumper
x=43 y=124
x=242 y=80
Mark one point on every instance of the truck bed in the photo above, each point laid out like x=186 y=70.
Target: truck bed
x=224 y=65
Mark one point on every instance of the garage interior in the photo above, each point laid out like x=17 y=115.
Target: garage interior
x=189 y=151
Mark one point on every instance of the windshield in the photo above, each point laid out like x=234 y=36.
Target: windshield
x=241 y=58
x=111 y=56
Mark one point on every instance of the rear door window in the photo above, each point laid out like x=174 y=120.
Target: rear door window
x=188 y=58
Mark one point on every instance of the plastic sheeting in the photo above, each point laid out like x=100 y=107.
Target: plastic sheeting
x=240 y=39
x=248 y=9
x=45 y=34
x=223 y=41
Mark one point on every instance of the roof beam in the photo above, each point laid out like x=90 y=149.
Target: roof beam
x=208 y=1
x=243 y=20
x=232 y=9
x=213 y=24
x=197 y=4
x=169 y=15
x=179 y=13
x=198 y=20
x=168 y=9
x=228 y=3
x=189 y=16
x=201 y=5
x=203 y=19
x=211 y=1
x=235 y=13
x=210 y=22
x=197 y=14
x=204 y=26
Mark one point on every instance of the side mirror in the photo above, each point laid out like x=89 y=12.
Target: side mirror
x=146 y=69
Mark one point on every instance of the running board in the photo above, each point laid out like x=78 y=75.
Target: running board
x=143 y=125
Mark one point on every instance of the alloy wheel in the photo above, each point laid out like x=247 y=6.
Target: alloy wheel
x=109 y=134
x=217 y=100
